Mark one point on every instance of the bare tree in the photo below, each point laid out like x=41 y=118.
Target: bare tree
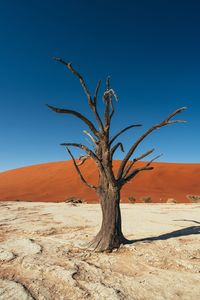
x=109 y=186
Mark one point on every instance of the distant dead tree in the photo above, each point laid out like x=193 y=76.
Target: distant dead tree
x=109 y=186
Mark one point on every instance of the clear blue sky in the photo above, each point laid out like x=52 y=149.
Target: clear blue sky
x=150 y=48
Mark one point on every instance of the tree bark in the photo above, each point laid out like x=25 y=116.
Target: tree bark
x=110 y=235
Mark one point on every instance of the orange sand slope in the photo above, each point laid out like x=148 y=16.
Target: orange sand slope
x=58 y=181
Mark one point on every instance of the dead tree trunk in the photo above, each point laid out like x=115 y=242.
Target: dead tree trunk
x=108 y=190
x=110 y=235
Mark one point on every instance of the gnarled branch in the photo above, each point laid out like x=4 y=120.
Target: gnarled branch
x=82 y=147
x=82 y=159
x=96 y=91
x=137 y=170
x=76 y=114
x=112 y=109
x=82 y=82
x=79 y=172
x=165 y=122
x=91 y=103
x=90 y=136
x=88 y=151
x=135 y=160
x=112 y=151
x=106 y=97
x=109 y=110
x=122 y=131
x=94 y=106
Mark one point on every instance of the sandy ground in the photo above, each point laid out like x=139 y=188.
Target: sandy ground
x=42 y=255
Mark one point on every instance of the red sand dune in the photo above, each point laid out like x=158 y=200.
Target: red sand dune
x=58 y=181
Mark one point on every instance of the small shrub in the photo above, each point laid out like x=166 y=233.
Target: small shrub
x=74 y=200
x=193 y=198
x=146 y=199
x=131 y=199
x=171 y=200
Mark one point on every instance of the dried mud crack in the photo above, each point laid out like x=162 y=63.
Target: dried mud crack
x=46 y=259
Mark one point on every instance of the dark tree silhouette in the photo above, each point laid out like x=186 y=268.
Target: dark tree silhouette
x=108 y=189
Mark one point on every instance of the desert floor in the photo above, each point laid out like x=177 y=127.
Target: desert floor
x=42 y=253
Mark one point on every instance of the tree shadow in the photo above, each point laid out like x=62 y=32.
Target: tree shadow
x=186 y=220
x=177 y=233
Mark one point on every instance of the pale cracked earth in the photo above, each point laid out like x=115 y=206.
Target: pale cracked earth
x=42 y=255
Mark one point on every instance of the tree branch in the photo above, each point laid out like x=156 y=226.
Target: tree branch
x=108 y=94
x=135 y=160
x=112 y=94
x=137 y=170
x=94 y=106
x=76 y=114
x=90 y=136
x=91 y=103
x=165 y=122
x=82 y=82
x=133 y=174
x=106 y=97
x=179 y=110
x=79 y=172
x=82 y=159
x=88 y=151
x=122 y=131
x=96 y=91
x=82 y=147
x=112 y=108
x=115 y=148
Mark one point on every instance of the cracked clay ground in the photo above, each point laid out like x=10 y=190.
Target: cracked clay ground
x=42 y=253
